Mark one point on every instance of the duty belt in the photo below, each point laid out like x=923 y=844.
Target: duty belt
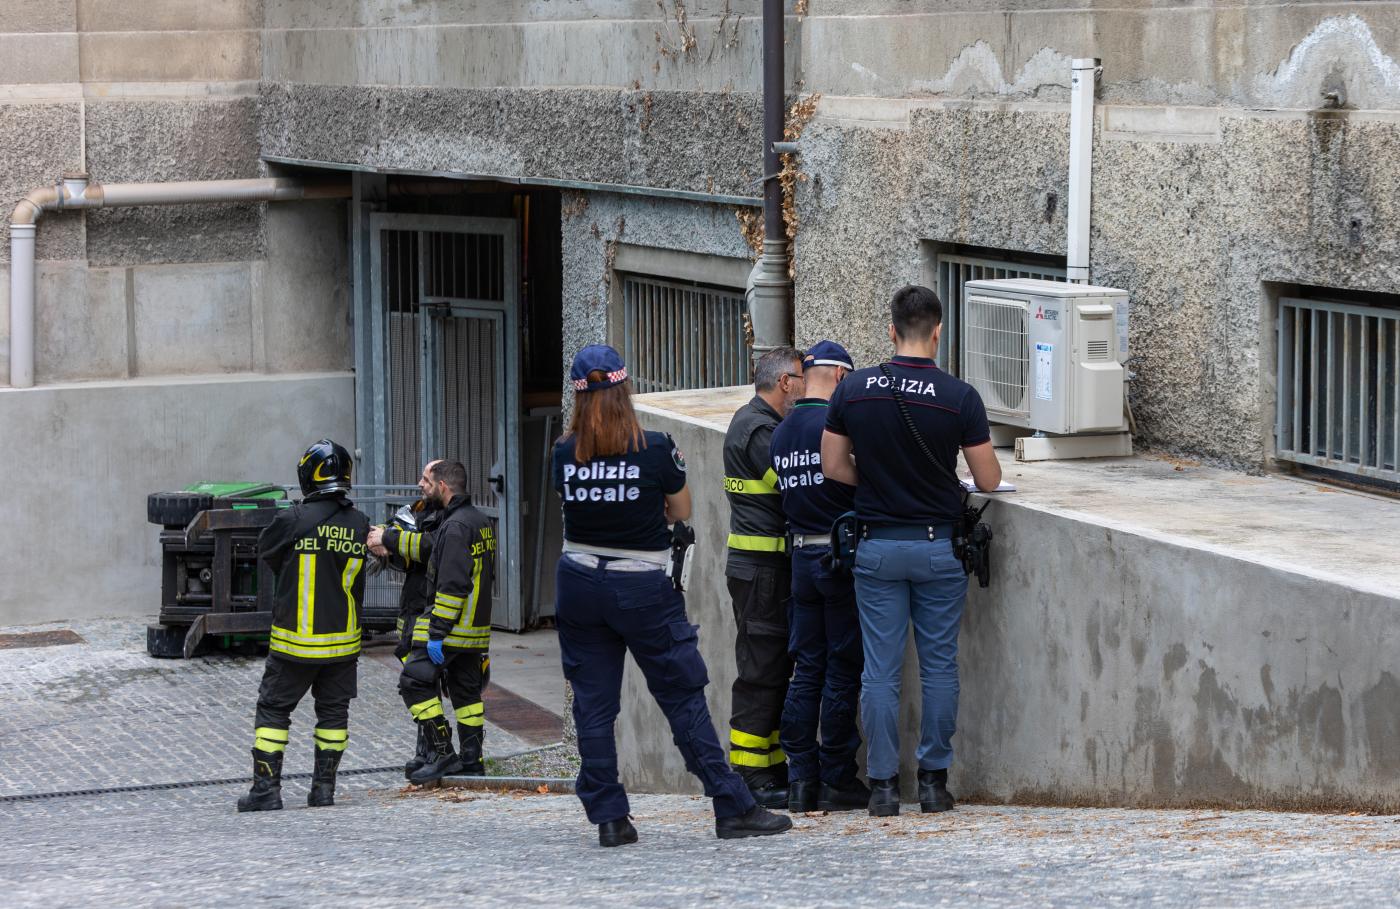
x=907 y=532
x=814 y=540
x=653 y=560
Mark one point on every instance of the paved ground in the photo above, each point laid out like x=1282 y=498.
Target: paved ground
x=102 y=713
x=379 y=848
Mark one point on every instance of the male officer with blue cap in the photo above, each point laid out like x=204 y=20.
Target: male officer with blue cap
x=824 y=631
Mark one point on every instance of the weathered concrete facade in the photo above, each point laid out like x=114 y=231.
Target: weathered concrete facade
x=162 y=334
x=1217 y=173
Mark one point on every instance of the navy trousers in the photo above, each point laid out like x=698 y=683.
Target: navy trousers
x=601 y=615
x=824 y=639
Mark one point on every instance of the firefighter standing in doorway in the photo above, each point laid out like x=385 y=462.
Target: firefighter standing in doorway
x=316 y=548
x=451 y=639
x=407 y=543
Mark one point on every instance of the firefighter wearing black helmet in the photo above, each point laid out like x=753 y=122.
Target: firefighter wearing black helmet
x=316 y=549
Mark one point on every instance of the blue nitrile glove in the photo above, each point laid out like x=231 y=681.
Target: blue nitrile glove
x=435 y=652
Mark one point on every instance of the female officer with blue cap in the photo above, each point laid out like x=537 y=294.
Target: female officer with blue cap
x=621 y=487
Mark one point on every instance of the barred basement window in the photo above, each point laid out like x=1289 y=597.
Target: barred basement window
x=948 y=267
x=1339 y=384
x=683 y=334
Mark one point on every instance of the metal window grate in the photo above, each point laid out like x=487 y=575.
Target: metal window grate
x=1339 y=387
x=679 y=335
x=956 y=270
x=996 y=354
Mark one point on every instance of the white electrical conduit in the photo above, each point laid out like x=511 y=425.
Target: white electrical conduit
x=1083 y=76
x=74 y=191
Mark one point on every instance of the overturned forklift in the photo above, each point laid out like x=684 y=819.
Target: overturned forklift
x=214 y=592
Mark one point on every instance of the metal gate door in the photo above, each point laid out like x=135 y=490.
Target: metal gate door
x=444 y=378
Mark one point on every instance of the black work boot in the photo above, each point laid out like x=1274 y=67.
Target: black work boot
x=471 y=738
x=322 y=794
x=266 y=794
x=851 y=796
x=617 y=833
x=420 y=755
x=933 y=792
x=767 y=790
x=757 y=822
x=884 y=797
x=802 y=795
x=442 y=760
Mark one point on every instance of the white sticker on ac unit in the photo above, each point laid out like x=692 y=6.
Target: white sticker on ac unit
x=1044 y=371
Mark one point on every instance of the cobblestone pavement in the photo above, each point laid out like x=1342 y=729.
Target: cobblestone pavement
x=103 y=713
x=379 y=847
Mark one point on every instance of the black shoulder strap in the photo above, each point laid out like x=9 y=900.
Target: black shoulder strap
x=939 y=466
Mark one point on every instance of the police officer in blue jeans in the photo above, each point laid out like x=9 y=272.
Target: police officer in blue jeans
x=905 y=568
x=621 y=487
x=824 y=631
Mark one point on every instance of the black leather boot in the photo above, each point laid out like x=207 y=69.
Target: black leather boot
x=933 y=792
x=765 y=786
x=802 y=795
x=442 y=760
x=322 y=794
x=617 y=833
x=884 y=797
x=266 y=794
x=758 y=822
x=471 y=739
x=851 y=796
x=420 y=756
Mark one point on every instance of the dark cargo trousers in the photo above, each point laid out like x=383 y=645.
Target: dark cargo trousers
x=463 y=675
x=760 y=594
x=825 y=689
x=603 y=614
x=285 y=682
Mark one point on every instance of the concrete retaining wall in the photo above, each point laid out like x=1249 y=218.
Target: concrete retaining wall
x=80 y=460
x=1108 y=665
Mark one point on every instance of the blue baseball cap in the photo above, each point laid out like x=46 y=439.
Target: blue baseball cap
x=826 y=353
x=597 y=357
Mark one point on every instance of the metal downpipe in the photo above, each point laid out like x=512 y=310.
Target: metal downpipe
x=770 y=303
x=75 y=191
x=1083 y=78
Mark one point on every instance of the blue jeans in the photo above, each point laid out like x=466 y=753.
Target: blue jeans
x=602 y=616
x=896 y=582
x=824 y=639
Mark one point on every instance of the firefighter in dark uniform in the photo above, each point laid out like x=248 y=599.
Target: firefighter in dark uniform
x=451 y=640
x=824 y=638
x=759 y=576
x=405 y=544
x=620 y=488
x=316 y=548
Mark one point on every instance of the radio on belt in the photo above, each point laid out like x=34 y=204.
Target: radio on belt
x=682 y=550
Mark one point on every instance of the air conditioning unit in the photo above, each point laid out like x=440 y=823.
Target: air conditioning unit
x=1049 y=356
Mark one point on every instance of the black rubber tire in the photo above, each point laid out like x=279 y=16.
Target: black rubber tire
x=176 y=509
x=166 y=642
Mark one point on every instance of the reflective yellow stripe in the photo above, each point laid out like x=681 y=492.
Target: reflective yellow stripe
x=470 y=614
x=314 y=646
x=446 y=612
x=757 y=544
x=306 y=593
x=331 y=739
x=756 y=742
x=749 y=759
x=748 y=487
x=405 y=545
x=417 y=547
x=448 y=599
x=472 y=714
x=269 y=738
x=777 y=757
x=347 y=584
x=770 y=477
x=426 y=710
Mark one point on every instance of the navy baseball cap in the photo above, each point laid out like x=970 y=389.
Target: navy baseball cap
x=597 y=357
x=827 y=353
